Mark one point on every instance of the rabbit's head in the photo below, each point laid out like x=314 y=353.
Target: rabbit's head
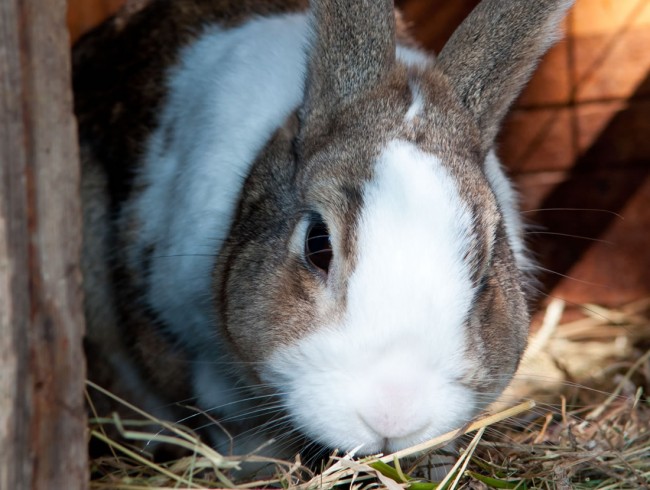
x=373 y=277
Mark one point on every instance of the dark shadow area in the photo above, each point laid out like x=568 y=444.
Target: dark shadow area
x=606 y=177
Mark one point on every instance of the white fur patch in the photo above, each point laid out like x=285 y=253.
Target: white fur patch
x=388 y=375
x=417 y=105
x=413 y=58
x=229 y=93
x=507 y=199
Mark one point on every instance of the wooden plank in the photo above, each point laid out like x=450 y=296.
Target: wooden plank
x=42 y=416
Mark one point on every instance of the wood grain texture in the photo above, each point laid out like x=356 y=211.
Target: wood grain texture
x=42 y=416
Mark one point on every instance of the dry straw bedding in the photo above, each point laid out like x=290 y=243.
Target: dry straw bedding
x=580 y=419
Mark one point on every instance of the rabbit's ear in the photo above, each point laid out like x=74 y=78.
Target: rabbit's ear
x=493 y=53
x=353 y=47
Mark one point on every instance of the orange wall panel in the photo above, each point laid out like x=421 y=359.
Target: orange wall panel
x=83 y=15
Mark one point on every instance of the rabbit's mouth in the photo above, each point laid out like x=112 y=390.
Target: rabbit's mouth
x=380 y=404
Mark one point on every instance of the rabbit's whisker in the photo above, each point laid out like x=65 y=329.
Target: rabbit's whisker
x=605 y=211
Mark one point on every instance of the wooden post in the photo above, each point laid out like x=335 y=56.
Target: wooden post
x=42 y=370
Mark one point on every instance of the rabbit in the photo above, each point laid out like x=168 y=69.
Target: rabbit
x=295 y=218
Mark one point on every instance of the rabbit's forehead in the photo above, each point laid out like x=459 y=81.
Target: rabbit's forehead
x=444 y=194
x=415 y=232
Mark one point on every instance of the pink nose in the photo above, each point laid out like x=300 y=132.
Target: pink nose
x=395 y=411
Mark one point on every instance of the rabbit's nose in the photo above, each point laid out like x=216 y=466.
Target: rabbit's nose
x=395 y=411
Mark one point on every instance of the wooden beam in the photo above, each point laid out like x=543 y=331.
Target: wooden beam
x=42 y=370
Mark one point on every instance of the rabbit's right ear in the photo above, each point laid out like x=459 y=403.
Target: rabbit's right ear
x=353 y=48
x=493 y=53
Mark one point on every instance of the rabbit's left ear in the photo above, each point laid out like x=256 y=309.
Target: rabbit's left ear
x=493 y=53
x=353 y=48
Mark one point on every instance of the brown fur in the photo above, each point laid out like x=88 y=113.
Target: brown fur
x=493 y=54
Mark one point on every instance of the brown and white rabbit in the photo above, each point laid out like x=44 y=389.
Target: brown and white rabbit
x=296 y=218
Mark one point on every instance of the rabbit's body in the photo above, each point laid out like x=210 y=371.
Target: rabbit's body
x=212 y=151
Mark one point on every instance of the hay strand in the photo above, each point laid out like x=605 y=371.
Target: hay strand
x=589 y=430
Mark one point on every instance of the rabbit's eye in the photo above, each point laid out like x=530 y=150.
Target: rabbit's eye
x=318 y=249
